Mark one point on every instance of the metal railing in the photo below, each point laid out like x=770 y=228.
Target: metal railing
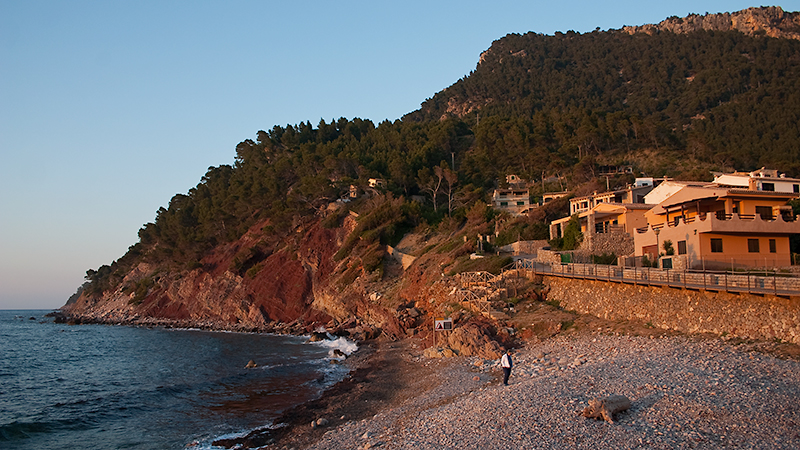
x=753 y=283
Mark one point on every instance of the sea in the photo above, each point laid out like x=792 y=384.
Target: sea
x=121 y=387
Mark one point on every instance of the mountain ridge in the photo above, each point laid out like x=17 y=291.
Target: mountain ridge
x=769 y=21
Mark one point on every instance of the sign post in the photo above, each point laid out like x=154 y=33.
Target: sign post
x=441 y=325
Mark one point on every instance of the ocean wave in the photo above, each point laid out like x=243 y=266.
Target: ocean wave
x=17 y=431
x=207 y=443
x=344 y=345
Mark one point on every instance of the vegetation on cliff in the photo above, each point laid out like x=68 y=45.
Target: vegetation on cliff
x=551 y=109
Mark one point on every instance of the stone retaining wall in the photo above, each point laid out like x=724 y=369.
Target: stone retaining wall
x=741 y=315
x=524 y=247
x=618 y=243
x=548 y=257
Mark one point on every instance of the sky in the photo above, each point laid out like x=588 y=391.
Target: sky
x=108 y=109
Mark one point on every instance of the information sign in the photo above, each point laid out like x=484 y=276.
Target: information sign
x=443 y=324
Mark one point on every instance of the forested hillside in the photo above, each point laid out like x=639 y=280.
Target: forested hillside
x=536 y=105
x=723 y=98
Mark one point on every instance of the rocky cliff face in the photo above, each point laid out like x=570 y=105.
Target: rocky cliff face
x=297 y=289
x=771 y=21
x=278 y=290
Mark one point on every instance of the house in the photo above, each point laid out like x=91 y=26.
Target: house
x=376 y=182
x=548 y=197
x=713 y=226
x=668 y=188
x=607 y=227
x=516 y=182
x=630 y=194
x=515 y=201
x=759 y=180
x=613 y=170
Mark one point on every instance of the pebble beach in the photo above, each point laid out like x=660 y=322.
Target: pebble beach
x=684 y=393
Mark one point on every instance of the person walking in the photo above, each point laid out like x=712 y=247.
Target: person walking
x=506 y=363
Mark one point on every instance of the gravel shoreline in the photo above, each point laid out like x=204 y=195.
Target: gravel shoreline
x=685 y=393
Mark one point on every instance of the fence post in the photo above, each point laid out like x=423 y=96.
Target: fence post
x=775 y=283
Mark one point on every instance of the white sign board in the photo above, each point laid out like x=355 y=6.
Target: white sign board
x=443 y=324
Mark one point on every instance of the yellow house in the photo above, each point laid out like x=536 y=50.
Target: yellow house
x=607 y=226
x=715 y=227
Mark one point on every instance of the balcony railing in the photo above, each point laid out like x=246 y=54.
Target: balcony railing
x=727 y=221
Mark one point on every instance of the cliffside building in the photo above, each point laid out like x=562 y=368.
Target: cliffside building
x=759 y=180
x=718 y=227
x=631 y=194
x=515 y=201
x=614 y=214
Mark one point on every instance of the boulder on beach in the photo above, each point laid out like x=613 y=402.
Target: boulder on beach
x=439 y=352
x=472 y=340
x=606 y=408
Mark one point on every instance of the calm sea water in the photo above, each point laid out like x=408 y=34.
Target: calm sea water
x=111 y=387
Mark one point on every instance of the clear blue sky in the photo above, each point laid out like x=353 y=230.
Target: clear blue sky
x=108 y=109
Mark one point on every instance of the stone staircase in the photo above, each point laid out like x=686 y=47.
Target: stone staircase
x=477 y=290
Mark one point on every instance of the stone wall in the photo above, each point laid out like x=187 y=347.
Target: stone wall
x=548 y=257
x=524 y=247
x=618 y=243
x=741 y=315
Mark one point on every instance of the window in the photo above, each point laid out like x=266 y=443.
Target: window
x=767 y=186
x=752 y=245
x=765 y=212
x=503 y=203
x=520 y=203
x=716 y=245
x=773 y=247
x=736 y=206
x=796 y=188
x=681 y=247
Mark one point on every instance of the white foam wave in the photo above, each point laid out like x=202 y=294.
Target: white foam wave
x=342 y=344
x=208 y=443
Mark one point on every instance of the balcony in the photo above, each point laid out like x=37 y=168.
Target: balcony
x=732 y=223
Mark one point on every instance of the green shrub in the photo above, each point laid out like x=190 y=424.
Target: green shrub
x=607 y=259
